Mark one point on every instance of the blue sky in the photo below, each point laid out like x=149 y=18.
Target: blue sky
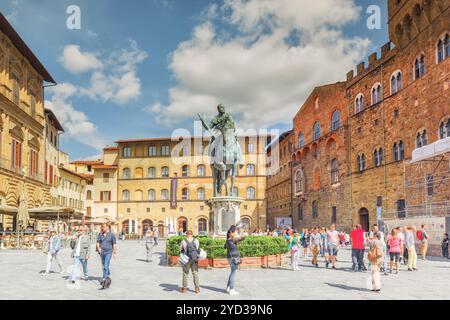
x=144 y=68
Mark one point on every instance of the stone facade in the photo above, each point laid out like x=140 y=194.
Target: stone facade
x=279 y=181
x=415 y=105
x=22 y=124
x=321 y=188
x=145 y=175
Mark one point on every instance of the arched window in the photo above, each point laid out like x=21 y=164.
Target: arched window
x=444 y=130
x=378 y=157
x=336 y=120
x=126 y=173
x=151 y=195
x=202 y=226
x=422 y=139
x=185 y=171
x=201 y=170
x=440 y=51
x=251 y=194
x=396 y=82
x=315 y=209
x=33 y=105
x=376 y=94
x=235 y=191
x=316 y=130
x=185 y=194
x=16 y=88
x=361 y=162
x=165 y=172
x=359 y=103
x=126 y=195
x=164 y=194
x=334 y=171
x=447 y=45
x=301 y=140
x=250 y=170
x=152 y=172
x=246 y=223
x=419 y=67
x=201 y=194
x=299 y=183
x=89 y=195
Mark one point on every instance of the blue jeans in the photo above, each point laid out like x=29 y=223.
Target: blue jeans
x=76 y=268
x=106 y=259
x=232 y=276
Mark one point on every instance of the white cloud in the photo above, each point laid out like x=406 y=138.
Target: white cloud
x=117 y=81
x=259 y=75
x=77 y=61
x=76 y=124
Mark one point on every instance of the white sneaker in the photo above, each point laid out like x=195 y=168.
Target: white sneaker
x=233 y=292
x=44 y=274
x=228 y=290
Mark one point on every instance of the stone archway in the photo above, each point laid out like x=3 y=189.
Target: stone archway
x=364 y=219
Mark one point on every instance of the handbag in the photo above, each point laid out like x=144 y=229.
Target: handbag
x=183 y=259
x=236 y=260
x=45 y=247
x=294 y=248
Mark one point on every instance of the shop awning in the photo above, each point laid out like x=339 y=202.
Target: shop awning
x=53 y=213
x=432 y=150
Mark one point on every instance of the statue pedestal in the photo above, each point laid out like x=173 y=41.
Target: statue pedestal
x=225 y=212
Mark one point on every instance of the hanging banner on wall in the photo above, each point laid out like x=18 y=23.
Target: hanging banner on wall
x=173 y=193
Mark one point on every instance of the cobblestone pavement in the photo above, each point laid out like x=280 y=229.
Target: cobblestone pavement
x=133 y=278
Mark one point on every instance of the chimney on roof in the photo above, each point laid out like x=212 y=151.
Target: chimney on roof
x=360 y=68
x=372 y=59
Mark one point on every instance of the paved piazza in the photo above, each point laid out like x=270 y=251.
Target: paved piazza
x=133 y=278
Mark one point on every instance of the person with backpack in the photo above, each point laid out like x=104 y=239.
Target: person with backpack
x=444 y=245
x=234 y=258
x=294 y=248
x=53 y=246
x=80 y=254
x=190 y=247
x=304 y=239
x=422 y=235
x=375 y=257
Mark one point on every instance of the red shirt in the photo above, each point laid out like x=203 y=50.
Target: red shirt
x=357 y=237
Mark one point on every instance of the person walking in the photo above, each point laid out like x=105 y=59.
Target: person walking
x=333 y=241
x=53 y=246
x=411 y=247
x=106 y=247
x=234 y=258
x=315 y=244
x=155 y=235
x=304 y=239
x=385 y=250
x=375 y=257
x=149 y=240
x=422 y=235
x=357 y=239
x=294 y=247
x=444 y=245
x=190 y=247
x=395 y=248
x=80 y=254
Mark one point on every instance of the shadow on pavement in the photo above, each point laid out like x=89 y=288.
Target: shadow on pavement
x=170 y=287
x=345 y=287
x=213 y=289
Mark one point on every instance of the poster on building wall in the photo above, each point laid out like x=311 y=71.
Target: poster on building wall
x=283 y=222
x=173 y=193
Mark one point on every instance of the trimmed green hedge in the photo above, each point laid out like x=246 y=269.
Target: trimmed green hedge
x=250 y=247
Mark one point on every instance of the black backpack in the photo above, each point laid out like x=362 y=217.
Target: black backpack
x=73 y=243
x=192 y=251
